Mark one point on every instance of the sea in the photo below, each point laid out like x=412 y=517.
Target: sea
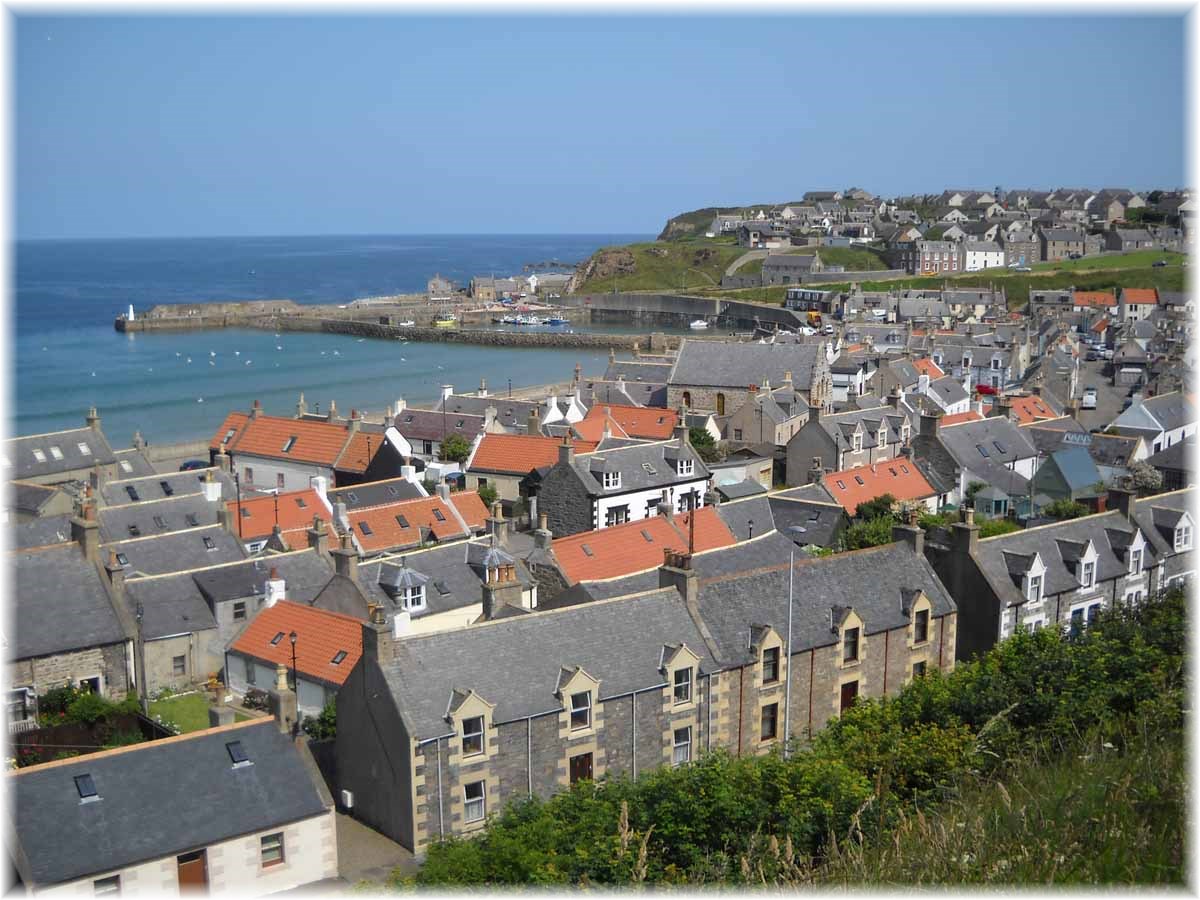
x=175 y=387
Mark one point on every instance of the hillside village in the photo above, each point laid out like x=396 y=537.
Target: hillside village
x=401 y=621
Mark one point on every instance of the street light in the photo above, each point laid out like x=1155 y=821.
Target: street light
x=787 y=690
x=295 y=682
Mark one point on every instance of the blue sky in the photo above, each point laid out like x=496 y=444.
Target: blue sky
x=392 y=124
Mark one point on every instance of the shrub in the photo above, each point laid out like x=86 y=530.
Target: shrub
x=455 y=449
x=487 y=494
x=993 y=527
x=323 y=726
x=876 y=508
x=871 y=533
x=256 y=699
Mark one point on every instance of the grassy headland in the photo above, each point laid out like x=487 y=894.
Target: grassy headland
x=657 y=266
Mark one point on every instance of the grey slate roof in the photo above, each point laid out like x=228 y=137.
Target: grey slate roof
x=1002 y=441
x=375 y=493
x=171 y=605
x=821 y=518
x=177 y=484
x=512 y=414
x=630 y=461
x=30 y=498
x=738 y=515
x=178 y=551
x=948 y=390
x=655 y=372
x=874 y=582
x=738 y=489
x=60 y=604
x=1173 y=457
x=133 y=463
x=1048 y=435
x=619 y=643
x=158 y=800
x=42 y=531
x=1077 y=468
x=624 y=393
x=304 y=573
x=427 y=425
x=119 y=523
x=20 y=452
x=719 y=364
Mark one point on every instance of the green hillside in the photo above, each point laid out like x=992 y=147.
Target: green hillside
x=661 y=265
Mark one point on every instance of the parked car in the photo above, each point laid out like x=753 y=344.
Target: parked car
x=1159 y=263
x=1092 y=356
x=192 y=464
x=1089 y=398
x=1107 y=354
x=1074 y=256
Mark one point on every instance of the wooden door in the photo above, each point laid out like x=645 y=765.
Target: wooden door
x=581 y=767
x=849 y=694
x=193 y=871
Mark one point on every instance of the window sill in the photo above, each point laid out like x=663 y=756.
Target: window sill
x=851 y=663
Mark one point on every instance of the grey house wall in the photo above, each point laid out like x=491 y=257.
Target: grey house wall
x=562 y=498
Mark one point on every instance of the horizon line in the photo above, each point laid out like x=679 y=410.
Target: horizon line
x=357 y=234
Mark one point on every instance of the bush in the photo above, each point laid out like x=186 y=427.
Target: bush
x=876 y=508
x=487 y=494
x=1066 y=509
x=993 y=527
x=256 y=699
x=324 y=726
x=871 y=533
x=455 y=449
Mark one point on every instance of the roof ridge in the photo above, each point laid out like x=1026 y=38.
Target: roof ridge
x=1092 y=516
x=159 y=475
x=39 y=547
x=154 y=500
x=133 y=748
x=150 y=537
x=25 y=437
x=316 y=610
x=234 y=562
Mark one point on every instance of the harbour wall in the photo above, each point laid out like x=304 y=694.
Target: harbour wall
x=680 y=309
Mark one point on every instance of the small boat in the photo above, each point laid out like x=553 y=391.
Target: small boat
x=556 y=320
x=445 y=322
x=409 y=324
x=698 y=325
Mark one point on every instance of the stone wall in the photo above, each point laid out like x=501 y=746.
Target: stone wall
x=566 y=505
x=45 y=672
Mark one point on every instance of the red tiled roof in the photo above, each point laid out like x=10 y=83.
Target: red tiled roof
x=1101 y=326
x=320 y=636
x=388 y=532
x=969 y=416
x=1140 y=295
x=520 y=454
x=625 y=549
x=256 y=518
x=266 y=436
x=359 y=451
x=233 y=422
x=898 y=477
x=1095 y=298
x=647 y=422
x=926 y=366
x=1031 y=409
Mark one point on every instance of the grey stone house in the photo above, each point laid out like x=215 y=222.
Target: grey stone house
x=769 y=416
x=1128 y=239
x=848 y=439
x=61 y=456
x=437 y=732
x=790 y=268
x=1021 y=248
x=1059 y=243
x=708 y=375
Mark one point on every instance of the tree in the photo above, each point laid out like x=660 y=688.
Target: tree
x=324 y=726
x=1066 y=508
x=992 y=527
x=704 y=445
x=1144 y=478
x=487 y=494
x=875 y=507
x=870 y=533
x=974 y=488
x=455 y=449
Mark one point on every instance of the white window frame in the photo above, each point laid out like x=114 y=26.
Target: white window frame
x=687 y=467
x=856 y=442
x=84 y=448
x=611 y=480
x=681 y=750
x=1183 y=538
x=1087 y=574
x=413 y=598
x=1135 y=562
x=585 y=709
x=55 y=452
x=475 y=807
x=1033 y=588
x=39 y=455
x=685 y=684
x=466 y=735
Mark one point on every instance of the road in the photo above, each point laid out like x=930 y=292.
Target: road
x=1109 y=399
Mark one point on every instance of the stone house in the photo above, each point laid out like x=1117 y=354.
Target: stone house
x=717 y=376
x=77 y=454
x=1059 y=243
x=847 y=439
x=769 y=416
x=609 y=487
x=790 y=268
x=938 y=257
x=637 y=682
x=504 y=461
x=190 y=813
x=1128 y=239
x=761 y=235
x=992 y=451
x=1021 y=248
x=982 y=255
x=1160 y=421
x=1061 y=574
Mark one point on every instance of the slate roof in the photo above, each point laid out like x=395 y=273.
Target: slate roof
x=374 y=493
x=1048 y=435
x=749 y=517
x=731 y=603
x=23 y=452
x=171 y=605
x=119 y=523
x=1077 y=468
x=632 y=461
x=1003 y=442
x=948 y=390
x=30 y=498
x=321 y=636
x=512 y=414
x=637 y=393
x=719 y=364
x=60 y=603
x=638 y=370
x=428 y=425
x=1115 y=450
x=42 y=531
x=619 y=643
x=1175 y=456
x=736 y=490
x=161 y=486
x=821 y=518
x=178 y=551
x=159 y=799
x=1157 y=414
x=132 y=463
x=304 y=572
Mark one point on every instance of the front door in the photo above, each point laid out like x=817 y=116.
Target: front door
x=193 y=871
x=581 y=767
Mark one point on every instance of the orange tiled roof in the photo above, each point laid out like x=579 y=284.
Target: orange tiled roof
x=320 y=636
x=648 y=422
x=359 y=451
x=520 y=454
x=398 y=525
x=898 y=477
x=266 y=436
x=256 y=517
x=1031 y=409
x=591 y=427
x=1140 y=295
x=625 y=549
x=854 y=348
x=233 y=422
x=969 y=416
x=1095 y=298
x=1101 y=326
x=926 y=366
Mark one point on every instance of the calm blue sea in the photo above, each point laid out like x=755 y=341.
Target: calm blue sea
x=68 y=356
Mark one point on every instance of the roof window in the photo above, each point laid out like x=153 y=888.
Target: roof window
x=289 y=443
x=134 y=530
x=338 y=657
x=237 y=753
x=132 y=492
x=858 y=478
x=84 y=448
x=300 y=503
x=278 y=637
x=86 y=787
x=166 y=488
x=160 y=522
x=365 y=528
x=401 y=521
x=983 y=451
x=587 y=551
x=437 y=514
x=39 y=455
x=646 y=535
x=55 y=452
x=209 y=543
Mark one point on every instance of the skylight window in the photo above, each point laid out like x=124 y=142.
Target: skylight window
x=122 y=559
x=351 y=496
x=300 y=503
x=237 y=753
x=338 y=657
x=132 y=492
x=442 y=587
x=289 y=443
x=437 y=514
x=228 y=436
x=245 y=513
x=458 y=424
x=55 y=452
x=86 y=787
x=999 y=447
x=365 y=528
x=84 y=448
x=278 y=637
x=858 y=478
x=401 y=521
x=587 y=551
x=160 y=522
x=166 y=488
x=983 y=451
x=649 y=468
x=646 y=535
x=126 y=466
x=904 y=469
x=134 y=530
x=209 y=543
x=841 y=484
x=408 y=418
x=39 y=455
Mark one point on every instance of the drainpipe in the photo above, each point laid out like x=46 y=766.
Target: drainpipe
x=941 y=641
x=633 y=717
x=886 y=636
x=812 y=662
x=741 y=683
x=441 y=815
x=708 y=715
x=529 y=754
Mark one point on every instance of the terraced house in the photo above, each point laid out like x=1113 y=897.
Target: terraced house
x=437 y=732
x=717 y=376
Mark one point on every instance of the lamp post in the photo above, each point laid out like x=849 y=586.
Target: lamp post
x=787 y=689
x=295 y=682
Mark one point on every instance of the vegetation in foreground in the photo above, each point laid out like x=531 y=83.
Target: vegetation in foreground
x=659 y=265
x=1053 y=758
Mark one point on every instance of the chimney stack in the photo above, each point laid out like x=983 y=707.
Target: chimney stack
x=566 y=450
x=400 y=406
x=665 y=508
x=275 y=588
x=1121 y=500
x=318 y=536
x=116 y=576
x=931 y=423
x=224 y=461
x=677 y=572
x=816 y=471
x=966 y=533
x=332 y=414
x=282 y=703
x=501 y=588
x=378 y=640
x=912 y=534
x=212 y=487
x=497 y=527
x=354 y=423
x=301 y=407
x=256 y=409
x=533 y=422
x=93 y=418
x=345 y=558
x=85 y=530
x=482 y=392
x=543 y=537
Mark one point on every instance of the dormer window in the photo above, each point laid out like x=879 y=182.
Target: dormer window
x=1183 y=538
x=472 y=736
x=921 y=626
x=683 y=685
x=412 y=599
x=611 y=480
x=686 y=467
x=856 y=442
x=581 y=710
x=1033 y=590
x=1135 y=562
x=1087 y=574
x=850 y=645
x=882 y=439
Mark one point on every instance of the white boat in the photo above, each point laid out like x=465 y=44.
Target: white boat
x=698 y=324
x=409 y=324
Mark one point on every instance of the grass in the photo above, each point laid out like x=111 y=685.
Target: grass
x=852 y=258
x=659 y=265
x=1103 y=815
x=1138 y=259
x=189 y=712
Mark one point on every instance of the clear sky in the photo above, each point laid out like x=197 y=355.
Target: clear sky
x=392 y=124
